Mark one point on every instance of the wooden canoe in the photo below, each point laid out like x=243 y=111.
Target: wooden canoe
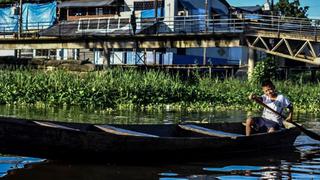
x=79 y=141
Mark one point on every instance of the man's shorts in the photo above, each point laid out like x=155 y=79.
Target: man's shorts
x=260 y=123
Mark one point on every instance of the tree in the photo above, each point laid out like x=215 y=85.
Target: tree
x=292 y=9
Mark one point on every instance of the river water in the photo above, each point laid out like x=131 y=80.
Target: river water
x=301 y=163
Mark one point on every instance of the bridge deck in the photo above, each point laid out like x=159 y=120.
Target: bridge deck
x=180 y=32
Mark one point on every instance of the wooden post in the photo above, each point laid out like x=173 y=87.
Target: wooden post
x=156 y=15
x=106 y=57
x=134 y=55
x=20 y=19
x=251 y=62
x=204 y=56
x=145 y=56
x=154 y=57
x=206 y=15
x=18 y=51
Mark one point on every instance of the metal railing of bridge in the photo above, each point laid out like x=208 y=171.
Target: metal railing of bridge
x=177 y=24
x=282 y=24
x=11 y=30
x=243 y=23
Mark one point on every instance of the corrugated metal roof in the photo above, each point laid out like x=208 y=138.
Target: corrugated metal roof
x=187 y=5
x=191 y=4
x=250 y=8
x=85 y=3
x=200 y=4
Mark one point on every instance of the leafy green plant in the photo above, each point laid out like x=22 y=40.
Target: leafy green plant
x=147 y=90
x=265 y=69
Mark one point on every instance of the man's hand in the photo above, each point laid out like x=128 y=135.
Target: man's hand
x=252 y=96
x=289 y=118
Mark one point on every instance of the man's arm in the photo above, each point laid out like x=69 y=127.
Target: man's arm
x=289 y=118
x=254 y=97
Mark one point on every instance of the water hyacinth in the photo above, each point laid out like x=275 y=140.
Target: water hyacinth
x=149 y=90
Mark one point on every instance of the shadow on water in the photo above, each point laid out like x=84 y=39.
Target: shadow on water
x=303 y=162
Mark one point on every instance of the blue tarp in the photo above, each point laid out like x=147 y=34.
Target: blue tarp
x=34 y=16
x=150 y=13
x=198 y=12
x=38 y=16
x=8 y=21
x=252 y=16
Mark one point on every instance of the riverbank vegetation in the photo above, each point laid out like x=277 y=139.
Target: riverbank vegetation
x=117 y=89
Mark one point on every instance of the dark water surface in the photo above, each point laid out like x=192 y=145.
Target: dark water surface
x=301 y=163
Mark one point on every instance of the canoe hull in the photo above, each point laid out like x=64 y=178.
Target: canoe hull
x=23 y=137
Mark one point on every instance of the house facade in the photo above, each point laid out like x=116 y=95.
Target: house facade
x=76 y=9
x=144 y=12
x=168 y=11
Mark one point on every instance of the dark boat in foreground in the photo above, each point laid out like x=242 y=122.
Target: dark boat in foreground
x=78 y=141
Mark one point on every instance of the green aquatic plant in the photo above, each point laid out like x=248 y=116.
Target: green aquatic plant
x=114 y=89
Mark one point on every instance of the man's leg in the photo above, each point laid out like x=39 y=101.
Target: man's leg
x=249 y=123
x=270 y=130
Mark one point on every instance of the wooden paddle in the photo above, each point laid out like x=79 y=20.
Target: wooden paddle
x=307 y=132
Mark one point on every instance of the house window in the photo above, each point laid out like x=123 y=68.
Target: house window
x=108 y=10
x=52 y=52
x=77 y=12
x=92 y=11
x=144 y=5
x=42 y=52
x=99 y=11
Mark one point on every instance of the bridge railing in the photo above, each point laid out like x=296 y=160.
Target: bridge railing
x=30 y=28
x=176 y=25
x=282 y=24
x=245 y=23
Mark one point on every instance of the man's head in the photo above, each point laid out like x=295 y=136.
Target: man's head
x=268 y=88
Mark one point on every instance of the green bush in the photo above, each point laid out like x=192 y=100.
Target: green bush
x=265 y=69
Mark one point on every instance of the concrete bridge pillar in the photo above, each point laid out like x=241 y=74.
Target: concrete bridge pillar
x=251 y=62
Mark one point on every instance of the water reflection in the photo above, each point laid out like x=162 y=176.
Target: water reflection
x=9 y=163
x=304 y=163
x=76 y=114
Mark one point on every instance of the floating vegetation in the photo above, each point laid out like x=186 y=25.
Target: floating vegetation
x=117 y=89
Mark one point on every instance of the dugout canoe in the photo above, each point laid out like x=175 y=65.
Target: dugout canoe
x=104 y=142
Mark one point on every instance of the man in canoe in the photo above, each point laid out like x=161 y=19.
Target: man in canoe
x=269 y=120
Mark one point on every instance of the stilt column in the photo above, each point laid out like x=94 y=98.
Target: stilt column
x=251 y=62
x=106 y=57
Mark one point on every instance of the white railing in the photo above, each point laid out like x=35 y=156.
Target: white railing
x=105 y=25
x=201 y=24
x=243 y=23
x=282 y=24
x=177 y=24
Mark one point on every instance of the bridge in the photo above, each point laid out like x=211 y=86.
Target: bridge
x=292 y=38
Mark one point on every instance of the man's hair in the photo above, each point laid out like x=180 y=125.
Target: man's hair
x=267 y=83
